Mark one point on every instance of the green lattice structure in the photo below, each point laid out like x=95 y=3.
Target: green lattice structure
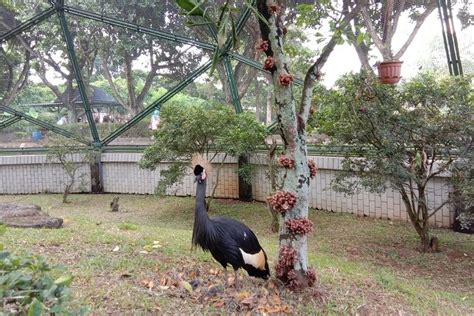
x=62 y=11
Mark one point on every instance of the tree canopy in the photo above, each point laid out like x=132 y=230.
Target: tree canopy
x=403 y=136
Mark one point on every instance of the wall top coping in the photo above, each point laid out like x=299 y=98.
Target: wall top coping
x=32 y=159
x=328 y=163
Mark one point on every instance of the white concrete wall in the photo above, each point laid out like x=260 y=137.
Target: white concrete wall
x=387 y=205
x=121 y=174
x=34 y=174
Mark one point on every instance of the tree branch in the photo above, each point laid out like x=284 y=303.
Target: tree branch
x=372 y=32
x=108 y=76
x=412 y=35
x=19 y=84
x=314 y=72
x=396 y=18
x=439 y=207
x=13 y=88
x=51 y=86
x=440 y=169
x=54 y=65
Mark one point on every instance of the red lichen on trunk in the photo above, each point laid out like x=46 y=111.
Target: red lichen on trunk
x=282 y=201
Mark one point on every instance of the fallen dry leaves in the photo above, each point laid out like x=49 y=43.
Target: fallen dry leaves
x=203 y=286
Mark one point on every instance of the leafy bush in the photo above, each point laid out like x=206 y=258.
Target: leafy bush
x=63 y=151
x=28 y=285
x=407 y=135
x=186 y=130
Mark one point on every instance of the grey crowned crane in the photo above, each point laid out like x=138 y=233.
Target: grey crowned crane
x=230 y=242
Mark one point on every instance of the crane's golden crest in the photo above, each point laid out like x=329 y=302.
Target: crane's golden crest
x=199 y=159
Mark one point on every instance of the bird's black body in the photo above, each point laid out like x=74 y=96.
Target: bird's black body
x=229 y=241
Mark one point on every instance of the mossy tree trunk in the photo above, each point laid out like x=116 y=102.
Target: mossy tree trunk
x=292 y=266
x=293 y=136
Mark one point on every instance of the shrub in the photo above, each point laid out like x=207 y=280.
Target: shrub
x=28 y=285
x=407 y=136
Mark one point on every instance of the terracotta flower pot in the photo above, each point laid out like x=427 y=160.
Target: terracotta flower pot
x=389 y=71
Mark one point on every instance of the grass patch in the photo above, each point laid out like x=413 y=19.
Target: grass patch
x=127 y=226
x=133 y=261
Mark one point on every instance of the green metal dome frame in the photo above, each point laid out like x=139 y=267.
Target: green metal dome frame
x=61 y=10
x=225 y=55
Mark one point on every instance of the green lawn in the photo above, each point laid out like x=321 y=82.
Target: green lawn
x=139 y=261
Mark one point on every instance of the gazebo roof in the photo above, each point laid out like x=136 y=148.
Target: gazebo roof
x=97 y=97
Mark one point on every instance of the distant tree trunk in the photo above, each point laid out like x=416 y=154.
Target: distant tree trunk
x=225 y=83
x=245 y=188
x=259 y=107
x=96 y=176
x=132 y=100
x=68 y=99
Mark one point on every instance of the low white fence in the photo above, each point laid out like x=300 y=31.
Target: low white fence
x=25 y=174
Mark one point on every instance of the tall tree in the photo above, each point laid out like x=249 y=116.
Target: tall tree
x=45 y=45
x=120 y=49
x=292 y=202
x=375 y=25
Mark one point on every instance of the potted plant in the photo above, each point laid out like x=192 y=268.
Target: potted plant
x=381 y=20
x=389 y=71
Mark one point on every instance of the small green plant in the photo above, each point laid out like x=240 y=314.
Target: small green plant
x=64 y=153
x=127 y=226
x=28 y=286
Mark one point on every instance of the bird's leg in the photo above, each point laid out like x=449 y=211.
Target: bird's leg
x=236 y=277
x=225 y=277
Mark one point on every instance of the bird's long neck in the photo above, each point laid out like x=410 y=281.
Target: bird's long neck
x=201 y=198
x=202 y=228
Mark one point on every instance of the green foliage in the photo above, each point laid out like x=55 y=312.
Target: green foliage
x=191 y=129
x=64 y=152
x=463 y=195
x=170 y=176
x=404 y=135
x=191 y=7
x=28 y=285
x=34 y=93
x=219 y=19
